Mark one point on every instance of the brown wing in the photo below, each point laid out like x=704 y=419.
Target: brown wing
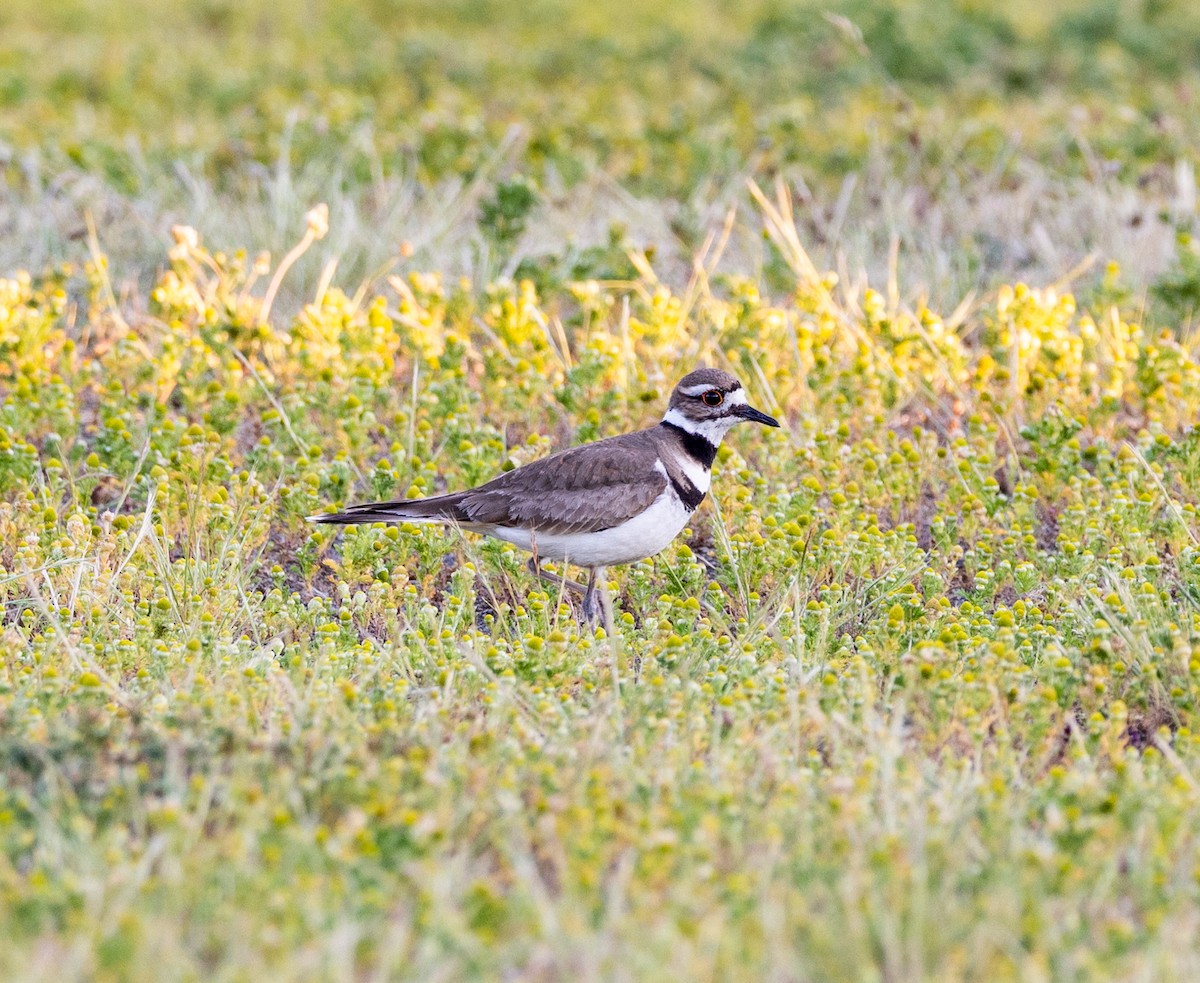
x=584 y=489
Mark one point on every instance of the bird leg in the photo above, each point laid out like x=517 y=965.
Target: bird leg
x=594 y=598
x=535 y=568
x=596 y=606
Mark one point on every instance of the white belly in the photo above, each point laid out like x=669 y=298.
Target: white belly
x=642 y=536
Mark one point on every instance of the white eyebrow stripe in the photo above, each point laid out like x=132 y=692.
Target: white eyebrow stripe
x=706 y=386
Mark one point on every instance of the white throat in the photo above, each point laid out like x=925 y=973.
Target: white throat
x=713 y=431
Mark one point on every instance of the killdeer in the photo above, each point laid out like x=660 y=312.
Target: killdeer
x=613 y=501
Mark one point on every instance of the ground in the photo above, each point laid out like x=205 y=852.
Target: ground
x=915 y=697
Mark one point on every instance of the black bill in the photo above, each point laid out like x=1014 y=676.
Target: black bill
x=747 y=412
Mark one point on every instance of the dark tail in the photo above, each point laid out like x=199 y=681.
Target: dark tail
x=439 y=508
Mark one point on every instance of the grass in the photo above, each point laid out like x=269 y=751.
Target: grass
x=914 y=698
x=956 y=146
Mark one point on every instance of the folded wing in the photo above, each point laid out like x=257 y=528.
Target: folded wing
x=580 y=490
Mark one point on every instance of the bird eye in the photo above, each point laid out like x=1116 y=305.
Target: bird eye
x=714 y=397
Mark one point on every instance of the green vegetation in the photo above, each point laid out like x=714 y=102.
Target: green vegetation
x=665 y=99
x=955 y=145
x=917 y=695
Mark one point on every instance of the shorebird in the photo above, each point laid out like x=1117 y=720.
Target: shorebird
x=614 y=501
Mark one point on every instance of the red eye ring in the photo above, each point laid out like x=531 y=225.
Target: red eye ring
x=714 y=397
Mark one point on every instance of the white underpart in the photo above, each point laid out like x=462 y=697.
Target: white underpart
x=639 y=537
x=713 y=431
x=697 y=473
